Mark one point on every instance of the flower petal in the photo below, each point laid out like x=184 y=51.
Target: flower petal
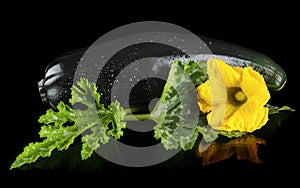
x=219 y=116
x=214 y=97
x=248 y=118
x=204 y=96
x=230 y=110
x=254 y=87
x=231 y=75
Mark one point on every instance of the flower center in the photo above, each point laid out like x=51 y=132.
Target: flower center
x=236 y=96
x=240 y=96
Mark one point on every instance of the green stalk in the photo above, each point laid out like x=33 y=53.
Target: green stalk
x=133 y=109
x=134 y=117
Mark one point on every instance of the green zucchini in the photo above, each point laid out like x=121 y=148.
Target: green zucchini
x=59 y=73
x=236 y=55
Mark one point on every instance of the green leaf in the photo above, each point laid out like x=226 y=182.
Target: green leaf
x=116 y=116
x=209 y=134
x=64 y=114
x=275 y=109
x=63 y=136
x=92 y=141
x=165 y=133
x=175 y=111
x=232 y=134
x=62 y=127
x=196 y=71
x=85 y=93
x=174 y=127
x=33 y=151
x=59 y=138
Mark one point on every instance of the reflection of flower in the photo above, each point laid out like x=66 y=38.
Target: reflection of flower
x=244 y=147
x=245 y=97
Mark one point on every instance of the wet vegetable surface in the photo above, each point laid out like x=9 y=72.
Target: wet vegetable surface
x=278 y=153
x=59 y=74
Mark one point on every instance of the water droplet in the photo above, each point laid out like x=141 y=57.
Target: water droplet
x=189 y=112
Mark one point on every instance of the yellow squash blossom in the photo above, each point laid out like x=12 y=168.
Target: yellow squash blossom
x=233 y=97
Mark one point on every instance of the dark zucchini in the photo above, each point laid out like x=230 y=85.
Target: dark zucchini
x=235 y=55
x=59 y=74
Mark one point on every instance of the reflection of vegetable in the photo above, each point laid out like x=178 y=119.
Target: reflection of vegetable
x=245 y=148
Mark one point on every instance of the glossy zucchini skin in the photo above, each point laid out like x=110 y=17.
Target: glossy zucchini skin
x=236 y=55
x=59 y=73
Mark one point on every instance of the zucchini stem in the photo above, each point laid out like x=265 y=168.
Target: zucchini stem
x=134 y=117
x=134 y=109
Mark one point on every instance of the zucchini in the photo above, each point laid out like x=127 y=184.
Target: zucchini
x=59 y=73
x=236 y=55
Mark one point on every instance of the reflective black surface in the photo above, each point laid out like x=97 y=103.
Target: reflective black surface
x=40 y=42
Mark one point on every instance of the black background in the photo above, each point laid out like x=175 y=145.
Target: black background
x=34 y=36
